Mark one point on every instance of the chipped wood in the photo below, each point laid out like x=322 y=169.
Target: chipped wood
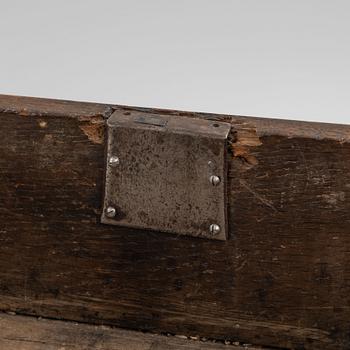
x=94 y=129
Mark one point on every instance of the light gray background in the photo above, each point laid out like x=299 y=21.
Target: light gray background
x=274 y=58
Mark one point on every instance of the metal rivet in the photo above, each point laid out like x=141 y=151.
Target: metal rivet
x=113 y=161
x=214 y=229
x=211 y=164
x=111 y=212
x=214 y=180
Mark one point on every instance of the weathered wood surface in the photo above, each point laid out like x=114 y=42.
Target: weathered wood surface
x=29 y=333
x=283 y=278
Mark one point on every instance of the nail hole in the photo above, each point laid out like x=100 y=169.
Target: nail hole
x=216 y=125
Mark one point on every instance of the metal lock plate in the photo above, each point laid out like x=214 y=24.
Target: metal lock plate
x=166 y=173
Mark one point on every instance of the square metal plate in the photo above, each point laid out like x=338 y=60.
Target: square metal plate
x=166 y=173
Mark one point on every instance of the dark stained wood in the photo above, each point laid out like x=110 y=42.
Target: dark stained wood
x=283 y=278
x=29 y=106
x=29 y=333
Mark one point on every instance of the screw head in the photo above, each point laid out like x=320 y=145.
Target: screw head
x=214 y=180
x=113 y=161
x=211 y=164
x=214 y=229
x=111 y=212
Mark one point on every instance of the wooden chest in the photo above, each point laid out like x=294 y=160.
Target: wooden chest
x=280 y=277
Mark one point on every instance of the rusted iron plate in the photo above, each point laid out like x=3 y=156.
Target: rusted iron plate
x=166 y=173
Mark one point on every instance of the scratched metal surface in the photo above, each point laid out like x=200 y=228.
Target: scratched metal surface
x=162 y=181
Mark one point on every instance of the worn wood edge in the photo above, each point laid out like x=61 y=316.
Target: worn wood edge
x=265 y=126
x=229 y=329
x=31 y=333
x=33 y=106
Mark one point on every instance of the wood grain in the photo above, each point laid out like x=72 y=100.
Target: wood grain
x=283 y=278
x=29 y=333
